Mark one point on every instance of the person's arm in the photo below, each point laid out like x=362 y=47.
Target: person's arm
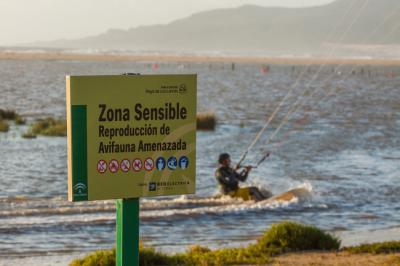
x=242 y=176
x=224 y=178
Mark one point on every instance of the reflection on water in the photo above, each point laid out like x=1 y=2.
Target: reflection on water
x=343 y=147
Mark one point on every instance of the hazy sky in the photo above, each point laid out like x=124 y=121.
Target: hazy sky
x=24 y=21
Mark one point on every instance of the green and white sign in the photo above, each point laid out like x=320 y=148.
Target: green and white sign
x=131 y=136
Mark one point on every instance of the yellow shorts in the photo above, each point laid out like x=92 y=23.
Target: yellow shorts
x=243 y=193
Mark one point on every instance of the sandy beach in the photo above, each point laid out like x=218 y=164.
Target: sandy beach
x=55 y=260
x=8 y=55
x=335 y=259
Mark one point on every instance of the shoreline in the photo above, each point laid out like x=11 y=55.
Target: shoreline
x=274 y=60
x=304 y=258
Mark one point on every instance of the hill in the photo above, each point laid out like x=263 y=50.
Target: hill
x=256 y=29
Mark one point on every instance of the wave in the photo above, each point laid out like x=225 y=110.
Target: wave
x=217 y=210
x=14 y=223
x=26 y=211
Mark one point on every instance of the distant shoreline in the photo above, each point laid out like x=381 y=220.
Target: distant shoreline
x=197 y=59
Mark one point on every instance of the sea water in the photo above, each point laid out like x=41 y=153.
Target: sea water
x=342 y=144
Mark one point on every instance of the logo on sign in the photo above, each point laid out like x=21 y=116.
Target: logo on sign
x=182 y=88
x=101 y=166
x=160 y=163
x=80 y=189
x=137 y=165
x=113 y=166
x=183 y=162
x=125 y=165
x=172 y=163
x=152 y=186
x=148 y=164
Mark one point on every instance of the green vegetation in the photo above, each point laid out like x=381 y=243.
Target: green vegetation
x=48 y=127
x=98 y=258
x=196 y=255
x=19 y=120
x=281 y=237
x=291 y=236
x=11 y=115
x=28 y=135
x=147 y=256
x=206 y=121
x=226 y=256
x=8 y=114
x=4 y=127
x=375 y=248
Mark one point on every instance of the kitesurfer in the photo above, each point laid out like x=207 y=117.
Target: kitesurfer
x=228 y=178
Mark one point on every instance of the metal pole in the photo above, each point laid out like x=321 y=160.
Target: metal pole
x=127 y=232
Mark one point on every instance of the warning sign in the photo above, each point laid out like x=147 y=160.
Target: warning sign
x=137 y=165
x=113 y=166
x=102 y=166
x=137 y=130
x=125 y=165
x=149 y=164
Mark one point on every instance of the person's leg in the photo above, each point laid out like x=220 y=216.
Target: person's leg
x=243 y=193
x=256 y=194
x=267 y=194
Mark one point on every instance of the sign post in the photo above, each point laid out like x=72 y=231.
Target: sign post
x=130 y=137
x=127 y=232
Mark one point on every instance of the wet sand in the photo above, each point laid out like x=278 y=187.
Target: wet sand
x=196 y=58
x=336 y=259
x=54 y=260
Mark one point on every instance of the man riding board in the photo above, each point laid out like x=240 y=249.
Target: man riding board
x=228 y=178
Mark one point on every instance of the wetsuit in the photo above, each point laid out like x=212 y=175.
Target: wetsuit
x=229 y=180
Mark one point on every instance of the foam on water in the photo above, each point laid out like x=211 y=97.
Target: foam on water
x=22 y=210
